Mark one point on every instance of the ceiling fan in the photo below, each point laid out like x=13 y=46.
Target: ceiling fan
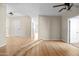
x=67 y=6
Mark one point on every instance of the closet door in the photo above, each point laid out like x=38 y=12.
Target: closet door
x=74 y=30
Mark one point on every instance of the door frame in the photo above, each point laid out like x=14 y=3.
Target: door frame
x=68 y=34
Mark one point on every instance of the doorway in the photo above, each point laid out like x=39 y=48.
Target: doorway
x=74 y=31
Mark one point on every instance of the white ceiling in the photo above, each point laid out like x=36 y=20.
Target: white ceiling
x=34 y=9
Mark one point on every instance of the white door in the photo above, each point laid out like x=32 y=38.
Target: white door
x=74 y=30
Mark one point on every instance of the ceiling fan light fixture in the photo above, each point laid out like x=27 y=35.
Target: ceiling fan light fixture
x=11 y=13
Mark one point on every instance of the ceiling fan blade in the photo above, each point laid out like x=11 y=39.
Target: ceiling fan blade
x=61 y=9
x=58 y=5
x=70 y=7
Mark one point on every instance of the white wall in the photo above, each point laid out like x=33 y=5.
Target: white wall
x=64 y=28
x=67 y=15
x=20 y=26
x=2 y=23
x=55 y=27
x=44 y=27
x=49 y=27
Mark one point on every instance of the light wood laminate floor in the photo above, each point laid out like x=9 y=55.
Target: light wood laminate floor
x=3 y=51
x=75 y=44
x=50 y=48
x=44 y=48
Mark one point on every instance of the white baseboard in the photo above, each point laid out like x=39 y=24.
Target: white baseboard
x=51 y=39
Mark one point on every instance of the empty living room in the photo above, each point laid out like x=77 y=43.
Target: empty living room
x=39 y=29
